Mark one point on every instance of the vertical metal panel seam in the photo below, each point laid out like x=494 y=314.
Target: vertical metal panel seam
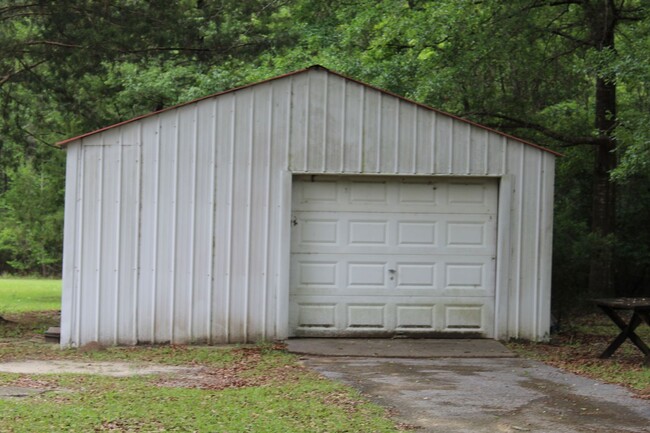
x=450 y=166
x=283 y=254
x=415 y=141
x=156 y=198
x=287 y=160
x=361 y=126
x=231 y=188
x=546 y=243
x=249 y=215
x=538 y=234
x=138 y=241
x=503 y=257
x=379 y=133
x=343 y=124
x=100 y=210
x=504 y=155
x=213 y=209
x=486 y=153
x=468 y=161
x=267 y=204
x=307 y=123
x=520 y=240
x=80 y=219
x=325 y=111
x=434 y=131
x=397 y=143
x=195 y=145
x=117 y=271
x=174 y=233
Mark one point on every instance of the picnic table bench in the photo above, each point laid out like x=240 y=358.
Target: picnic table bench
x=640 y=308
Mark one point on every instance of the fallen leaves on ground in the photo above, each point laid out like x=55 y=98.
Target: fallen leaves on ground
x=241 y=373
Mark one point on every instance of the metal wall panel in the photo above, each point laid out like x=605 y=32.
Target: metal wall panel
x=176 y=223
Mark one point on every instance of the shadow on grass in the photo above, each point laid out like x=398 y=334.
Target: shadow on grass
x=28 y=325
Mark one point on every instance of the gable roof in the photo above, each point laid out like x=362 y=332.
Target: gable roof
x=65 y=142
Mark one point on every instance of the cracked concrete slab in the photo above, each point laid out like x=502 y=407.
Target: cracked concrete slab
x=486 y=395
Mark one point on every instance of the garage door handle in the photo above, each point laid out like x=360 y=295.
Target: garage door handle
x=392 y=271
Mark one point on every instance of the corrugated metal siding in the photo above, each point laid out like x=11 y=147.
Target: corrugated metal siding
x=175 y=223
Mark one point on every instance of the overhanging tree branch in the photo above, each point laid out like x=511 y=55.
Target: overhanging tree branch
x=27 y=68
x=568 y=140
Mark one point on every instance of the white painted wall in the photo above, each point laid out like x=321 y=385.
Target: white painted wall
x=177 y=223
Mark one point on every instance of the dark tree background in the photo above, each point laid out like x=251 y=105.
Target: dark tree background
x=573 y=75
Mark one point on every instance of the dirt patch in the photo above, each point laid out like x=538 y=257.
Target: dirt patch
x=115 y=369
x=241 y=373
x=246 y=371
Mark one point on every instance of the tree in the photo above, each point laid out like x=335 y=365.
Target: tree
x=548 y=70
x=568 y=74
x=70 y=66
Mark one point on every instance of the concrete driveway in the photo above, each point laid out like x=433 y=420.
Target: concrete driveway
x=484 y=394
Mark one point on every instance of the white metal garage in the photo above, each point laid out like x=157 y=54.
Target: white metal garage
x=307 y=204
x=393 y=255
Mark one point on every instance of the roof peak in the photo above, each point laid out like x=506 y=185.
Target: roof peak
x=314 y=67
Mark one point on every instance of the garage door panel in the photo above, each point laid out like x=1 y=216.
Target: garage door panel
x=371 y=316
x=317 y=273
x=403 y=275
x=418 y=194
x=467 y=234
x=366 y=275
x=393 y=233
x=366 y=192
x=319 y=232
x=418 y=234
x=414 y=275
x=368 y=232
x=415 y=317
x=385 y=255
x=317 y=315
x=328 y=316
x=470 y=317
x=326 y=193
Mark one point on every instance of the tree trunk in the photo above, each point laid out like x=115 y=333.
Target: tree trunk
x=603 y=223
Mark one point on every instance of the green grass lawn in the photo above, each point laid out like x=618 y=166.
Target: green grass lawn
x=19 y=295
x=257 y=388
x=253 y=388
x=239 y=389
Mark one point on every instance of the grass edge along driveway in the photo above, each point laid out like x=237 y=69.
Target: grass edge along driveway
x=232 y=389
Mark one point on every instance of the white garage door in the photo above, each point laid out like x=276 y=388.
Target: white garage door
x=392 y=255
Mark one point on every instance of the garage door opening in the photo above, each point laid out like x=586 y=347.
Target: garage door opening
x=385 y=256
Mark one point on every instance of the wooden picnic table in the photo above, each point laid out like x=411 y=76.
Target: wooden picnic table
x=640 y=308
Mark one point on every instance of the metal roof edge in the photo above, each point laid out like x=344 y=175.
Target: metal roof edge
x=63 y=143
x=444 y=113
x=67 y=141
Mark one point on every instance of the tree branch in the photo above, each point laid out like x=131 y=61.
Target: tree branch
x=519 y=123
x=27 y=68
x=572 y=39
x=52 y=43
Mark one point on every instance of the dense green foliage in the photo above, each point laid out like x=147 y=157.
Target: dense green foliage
x=573 y=75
